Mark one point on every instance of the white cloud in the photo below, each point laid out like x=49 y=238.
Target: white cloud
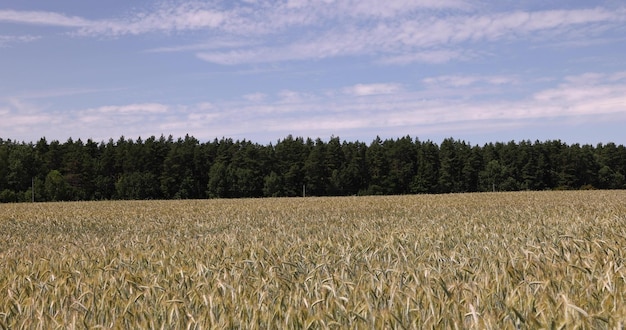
x=289 y=96
x=8 y=39
x=19 y=118
x=388 y=107
x=460 y=81
x=432 y=31
x=142 y=108
x=255 y=97
x=166 y=18
x=60 y=92
x=185 y=17
x=588 y=94
x=373 y=89
x=428 y=39
x=397 y=31
x=42 y=18
x=340 y=113
x=204 y=106
x=212 y=44
x=371 y=8
x=571 y=94
x=268 y=32
x=432 y=57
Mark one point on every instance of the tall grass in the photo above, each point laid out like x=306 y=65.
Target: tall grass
x=492 y=260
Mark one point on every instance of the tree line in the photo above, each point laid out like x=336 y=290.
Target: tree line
x=185 y=168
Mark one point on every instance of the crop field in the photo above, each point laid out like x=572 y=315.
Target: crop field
x=489 y=260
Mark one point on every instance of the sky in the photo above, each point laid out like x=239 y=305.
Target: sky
x=478 y=71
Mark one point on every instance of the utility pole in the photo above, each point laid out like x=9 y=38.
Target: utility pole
x=32 y=188
x=303 y=190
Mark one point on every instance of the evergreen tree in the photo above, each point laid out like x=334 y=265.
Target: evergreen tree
x=288 y=161
x=4 y=169
x=247 y=170
x=402 y=158
x=272 y=185
x=186 y=168
x=316 y=172
x=427 y=175
x=377 y=166
x=219 y=181
x=106 y=171
x=334 y=163
x=21 y=169
x=450 y=167
x=493 y=176
x=179 y=170
x=57 y=189
x=78 y=170
x=354 y=174
x=471 y=169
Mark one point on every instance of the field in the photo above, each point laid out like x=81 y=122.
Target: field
x=490 y=260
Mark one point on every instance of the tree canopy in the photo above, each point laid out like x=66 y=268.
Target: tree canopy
x=164 y=168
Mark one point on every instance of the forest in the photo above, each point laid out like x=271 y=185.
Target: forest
x=185 y=168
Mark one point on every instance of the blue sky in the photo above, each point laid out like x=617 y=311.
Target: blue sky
x=480 y=71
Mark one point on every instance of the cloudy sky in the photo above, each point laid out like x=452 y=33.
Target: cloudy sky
x=481 y=71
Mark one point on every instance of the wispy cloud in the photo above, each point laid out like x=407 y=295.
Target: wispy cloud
x=20 y=117
x=255 y=97
x=43 y=18
x=6 y=40
x=429 y=39
x=428 y=56
x=166 y=18
x=382 y=107
x=373 y=89
x=213 y=44
x=61 y=92
x=459 y=80
x=393 y=32
x=370 y=8
x=586 y=94
x=142 y=108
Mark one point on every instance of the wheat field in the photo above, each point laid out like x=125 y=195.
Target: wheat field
x=489 y=260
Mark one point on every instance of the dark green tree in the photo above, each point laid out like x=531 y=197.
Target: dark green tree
x=334 y=163
x=219 y=181
x=493 y=176
x=378 y=168
x=106 y=172
x=450 y=167
x=472 y=165
x=316 y=171
x=273 y=185
x=354 y=175
x=401 y=155
x=137 y=185
x=288 y=159
x=22 y=168
x=180 y=168
x=427 y=175
x=56 y=188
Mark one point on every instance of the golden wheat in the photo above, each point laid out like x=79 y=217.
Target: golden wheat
x=492 y=260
